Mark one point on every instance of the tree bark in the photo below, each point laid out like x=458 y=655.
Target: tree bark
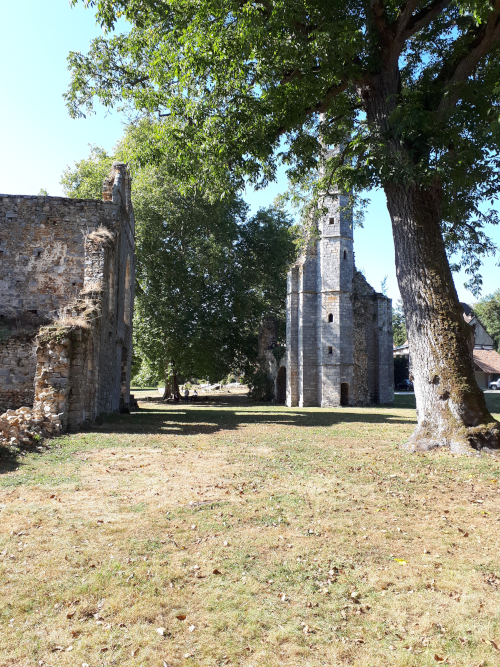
x=451 y=408
x=175 y=381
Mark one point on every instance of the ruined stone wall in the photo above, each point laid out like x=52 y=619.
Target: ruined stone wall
x=42 y=251
x=268 y=335
x=339 y=330
x=70 y=263
x=373 y=363
x=17 y=368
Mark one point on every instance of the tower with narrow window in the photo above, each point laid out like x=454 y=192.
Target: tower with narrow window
x=320 y=335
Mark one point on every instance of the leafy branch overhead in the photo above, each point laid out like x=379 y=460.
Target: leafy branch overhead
x=407 y=90
x=243 y=84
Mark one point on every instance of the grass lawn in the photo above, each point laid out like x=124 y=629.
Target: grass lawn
x=233 y=533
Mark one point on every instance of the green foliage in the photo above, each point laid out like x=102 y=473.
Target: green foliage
x=278 y=353
x=383 y=286
x=398 y=324
x=206 y=273
x=259 y=385
x=401 y=370
x=85 y=179
x=409 y=90
x=43 y=192
x=488 y=312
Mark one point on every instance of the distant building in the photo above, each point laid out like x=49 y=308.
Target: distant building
x=486 y=359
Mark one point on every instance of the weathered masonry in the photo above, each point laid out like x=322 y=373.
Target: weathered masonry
x=66 y=299
x=339 y=329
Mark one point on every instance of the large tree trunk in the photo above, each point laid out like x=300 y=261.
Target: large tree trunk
x=451 y=408
x=175 y=380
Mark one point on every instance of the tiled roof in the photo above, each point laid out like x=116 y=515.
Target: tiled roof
x=487 y=360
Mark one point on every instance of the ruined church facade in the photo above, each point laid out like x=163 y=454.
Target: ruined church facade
x=339 y=347
x=67 y=273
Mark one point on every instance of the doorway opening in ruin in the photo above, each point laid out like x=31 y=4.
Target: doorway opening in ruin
x=281 y=385
x=344 y=393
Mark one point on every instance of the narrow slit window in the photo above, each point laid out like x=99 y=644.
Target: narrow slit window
x=330 y=350
x=345 y=254
x=330 y=317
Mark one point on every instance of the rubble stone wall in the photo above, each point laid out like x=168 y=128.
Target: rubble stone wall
x=70 y=264
x=373 y=358
x=17 y=369
x=42 y=251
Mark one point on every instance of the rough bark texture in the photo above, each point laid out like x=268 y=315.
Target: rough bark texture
x=175 y=381
x=451 y=409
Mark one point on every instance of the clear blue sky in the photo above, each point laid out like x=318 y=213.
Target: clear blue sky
x=38 y=139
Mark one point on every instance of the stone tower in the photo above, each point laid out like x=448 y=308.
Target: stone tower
x=320 y=334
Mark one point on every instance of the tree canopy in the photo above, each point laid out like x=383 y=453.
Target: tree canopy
x=244 y=84
x=206 y=271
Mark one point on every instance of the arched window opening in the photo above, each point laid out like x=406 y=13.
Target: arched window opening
x=345 y=254
x=330 y=317
x=330 y=350
x=126 y=308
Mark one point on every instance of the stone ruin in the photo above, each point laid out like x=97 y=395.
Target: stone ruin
x=67 y=272
x=339 y=347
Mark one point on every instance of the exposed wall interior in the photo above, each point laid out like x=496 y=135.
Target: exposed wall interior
x=66 y=300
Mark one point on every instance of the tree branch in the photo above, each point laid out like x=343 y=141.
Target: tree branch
x=410 y=23
x=378 y=10
x=486 y=38
x=331 y=93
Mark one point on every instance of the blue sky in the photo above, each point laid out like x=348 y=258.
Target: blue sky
x=38 y=139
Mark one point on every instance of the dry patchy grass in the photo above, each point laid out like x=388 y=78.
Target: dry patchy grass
x=254 y=536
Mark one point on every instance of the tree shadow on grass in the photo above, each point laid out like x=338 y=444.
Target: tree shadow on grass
x=9 y=461
x=230 y=413
x=234 y=412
